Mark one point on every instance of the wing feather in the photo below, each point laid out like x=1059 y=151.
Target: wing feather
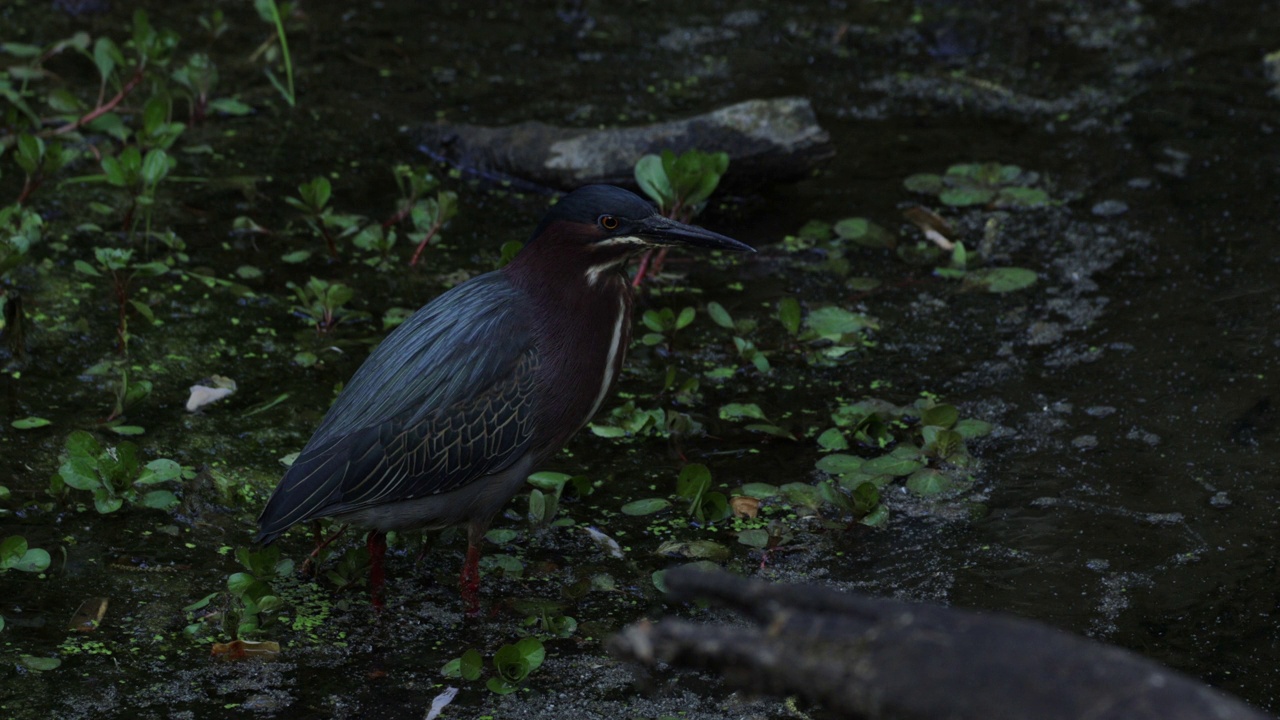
x=446 y=399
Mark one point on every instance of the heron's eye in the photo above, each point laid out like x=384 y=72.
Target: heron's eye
x=608 y=222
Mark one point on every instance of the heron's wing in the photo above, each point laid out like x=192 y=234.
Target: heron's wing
x=446 y=399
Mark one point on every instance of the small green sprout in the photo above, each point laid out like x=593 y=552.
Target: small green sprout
x=116 y=475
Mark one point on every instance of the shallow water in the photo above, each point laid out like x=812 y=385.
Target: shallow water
x=1128 y=493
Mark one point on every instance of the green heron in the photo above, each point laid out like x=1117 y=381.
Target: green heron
x=447 y=417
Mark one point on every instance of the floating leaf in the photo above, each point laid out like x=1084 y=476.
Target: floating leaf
x=833 y=323
x=1021 y=197
x=973 y=428
x=29 y=423
x=964 y=197
x=927 y=482
x=940 y=415
x=832 y=439
x=647 y=506
x=755 y=537
x=876 y=517
x=863 y=232
x=838 y=464
x=889 y=465
x=789 y=314
x=737 y=411
x=126 y=429
x=40 y=664
x=1000 y=280
x=719 y=315
x=229 y=106
x=159 y=499
x=695 y=550
x=927 y=183
x=760 y=490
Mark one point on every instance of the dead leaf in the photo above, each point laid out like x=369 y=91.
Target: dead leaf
x=937 y=230
x=744 y=506
x=89 y=615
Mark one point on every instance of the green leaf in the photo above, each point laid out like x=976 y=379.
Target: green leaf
x=759 y=490
x=159 y=499
x=127 y=429
x=158 y=471
x=972 y=428
x=201 y=603
x=12 y=549
x=964 y=197
x=34 y=560
x=877 y=517
x=838 y=464
x=470 y=664
x=890 y=465
x=86 y=269
x=833 y=323
x=941 y=415
x=946 y=443
x=239 y=583
x=789 y=315
x=927 y=482
x=1021 y=197
x=1000 y=280
x=652 y=179
x=80 y=473
x=29 y=423
x=499 y=686
x=832 y=439
x=106 y=505
x=866 y=496
x=501 y=536
x=926 y=183
x=229 y=106
x=863 y=232
x=81 y=444
x=738 y=411
x=532 y=651
x=647 y=506
x=719 y=315
x=607 y=431
x=295 y=257
x=694 y=480
x=770 y=429
x=510 y=664
x=687 y=314
x=549 y=481
x=40 y=664
x=801 y=494
x=695 y=550
x=755 y=537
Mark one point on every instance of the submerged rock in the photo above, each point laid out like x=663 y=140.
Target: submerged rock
x=768 y=141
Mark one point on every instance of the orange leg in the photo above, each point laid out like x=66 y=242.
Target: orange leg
x=470 y=581
x=377 y=542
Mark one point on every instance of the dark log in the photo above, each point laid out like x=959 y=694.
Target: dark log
x=768 y=142
x=874 y=658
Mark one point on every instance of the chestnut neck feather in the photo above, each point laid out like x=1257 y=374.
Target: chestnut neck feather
x=583 y=326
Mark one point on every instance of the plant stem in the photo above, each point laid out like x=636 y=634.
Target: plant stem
x=284 y=50
x=103 y=109
x=435 y=228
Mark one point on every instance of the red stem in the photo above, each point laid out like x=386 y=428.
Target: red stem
x=435 y=228
x=110 y=105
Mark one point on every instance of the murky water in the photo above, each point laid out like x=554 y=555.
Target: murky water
x=1128 y=494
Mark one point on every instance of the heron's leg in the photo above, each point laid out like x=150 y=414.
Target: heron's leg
x=377 y=542
x=470 y=580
